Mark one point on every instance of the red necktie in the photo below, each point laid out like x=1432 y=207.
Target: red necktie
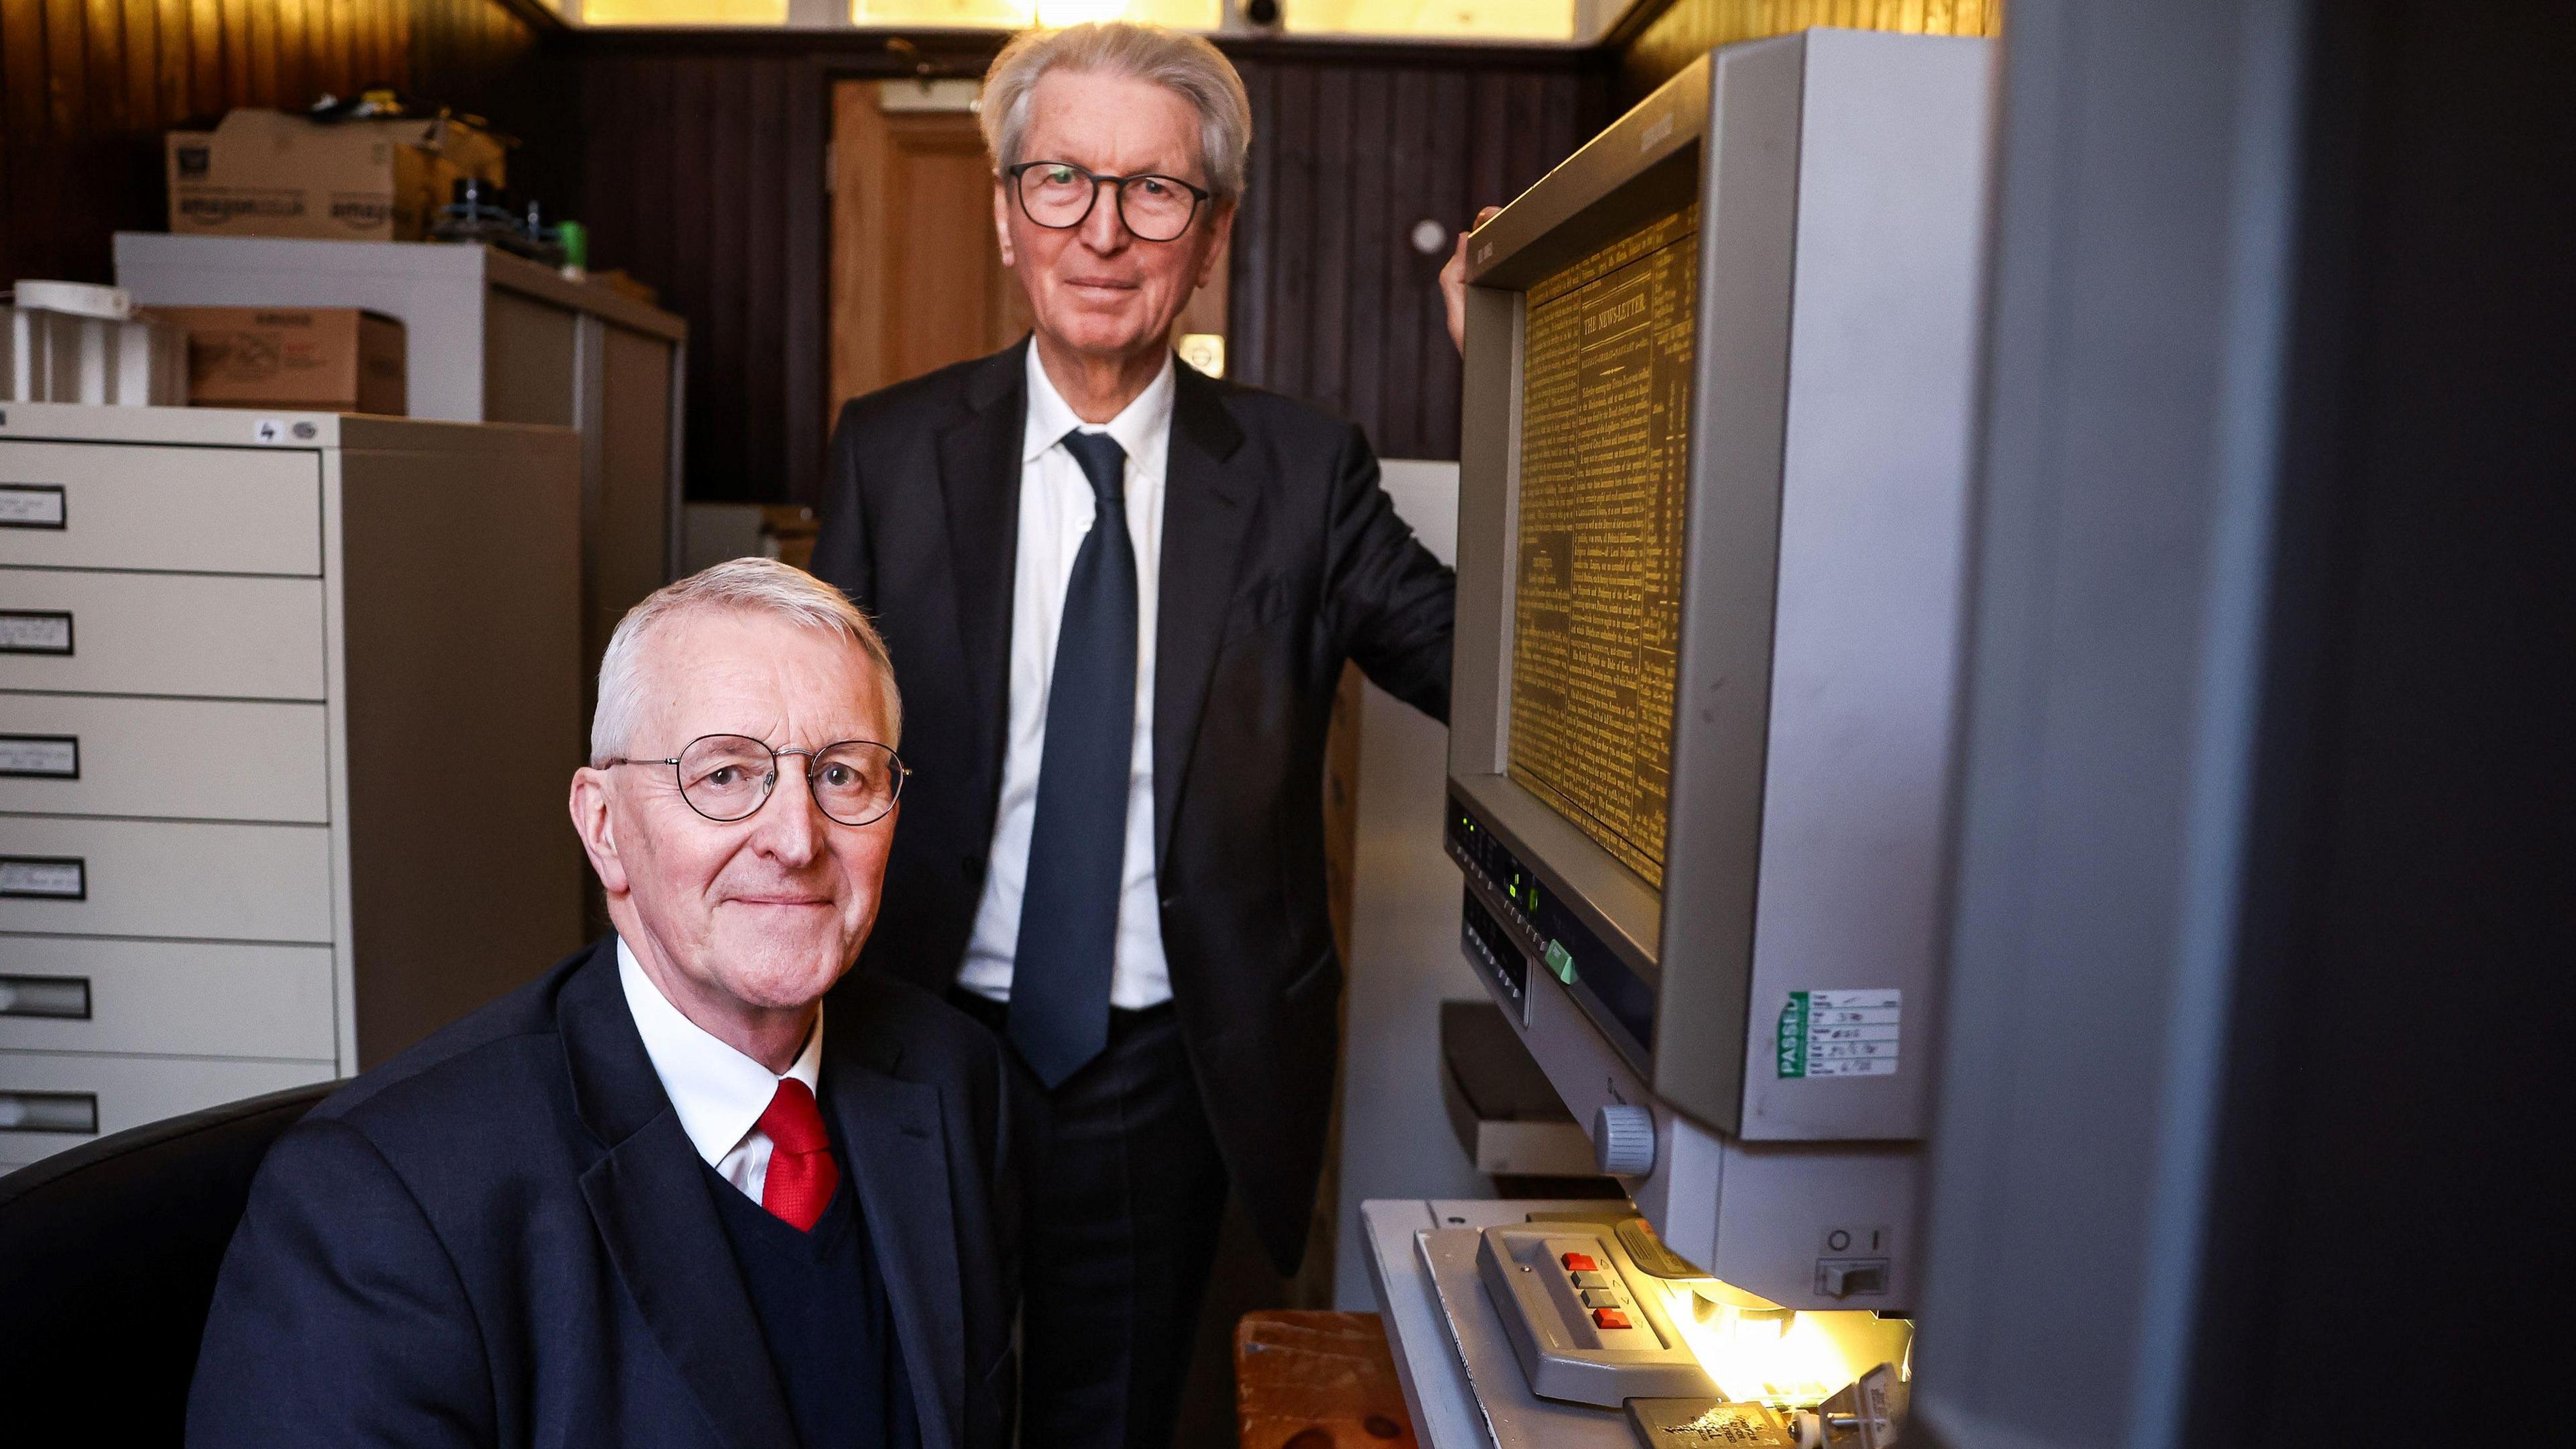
x=801 y=1171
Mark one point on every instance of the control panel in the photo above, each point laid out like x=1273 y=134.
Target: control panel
x=1488 y=945
x=1519 y=907
x=1568 y=1297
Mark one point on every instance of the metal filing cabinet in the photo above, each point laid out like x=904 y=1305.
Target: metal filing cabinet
x=490 y=338
x=288 y=704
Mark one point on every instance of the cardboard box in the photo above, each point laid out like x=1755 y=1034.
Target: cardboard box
x=265 y=173
x=311 y=359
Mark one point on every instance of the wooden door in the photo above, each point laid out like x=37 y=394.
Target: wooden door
x=917 y=280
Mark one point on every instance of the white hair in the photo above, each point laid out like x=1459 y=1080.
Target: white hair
x=1186 y=64
x=748 y=585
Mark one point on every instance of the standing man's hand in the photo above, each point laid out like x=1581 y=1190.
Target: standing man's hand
x=1453 y=282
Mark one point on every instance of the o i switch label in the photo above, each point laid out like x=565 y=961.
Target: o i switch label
x=1840 y=1033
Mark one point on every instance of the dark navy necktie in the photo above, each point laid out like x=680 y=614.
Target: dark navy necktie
x=1059 y=1013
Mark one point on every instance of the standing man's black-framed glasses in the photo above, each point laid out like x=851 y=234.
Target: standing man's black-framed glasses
x=729 y=777
x=1058 y=195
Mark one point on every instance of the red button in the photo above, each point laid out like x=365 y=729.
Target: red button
x=1610 y=1318
x=1581 y=1263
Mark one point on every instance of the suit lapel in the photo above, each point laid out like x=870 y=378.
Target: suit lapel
x=979 y=481
x=648 y=1199
x=899 y=1157
x=1207 y=508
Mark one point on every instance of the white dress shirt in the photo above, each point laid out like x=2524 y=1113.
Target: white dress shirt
x=1056 y=509
x=718 y=1092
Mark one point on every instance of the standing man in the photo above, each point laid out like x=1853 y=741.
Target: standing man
x=1124 y=593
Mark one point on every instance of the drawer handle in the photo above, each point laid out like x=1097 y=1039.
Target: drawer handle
x=44 y=877
x=40 y=757
x=35 y=631
x=32 y=505
x=56 y=998
x=49 y=1112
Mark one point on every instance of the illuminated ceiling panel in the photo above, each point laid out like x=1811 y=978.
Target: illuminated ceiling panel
x=1434 y=19
x=744 y=13
x=1012 y=14
x=1448 y=19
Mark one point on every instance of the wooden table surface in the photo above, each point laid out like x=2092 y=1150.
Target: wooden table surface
x=1317 y=1381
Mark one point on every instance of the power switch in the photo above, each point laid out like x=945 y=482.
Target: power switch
x=1851 y=1277
x=1610 y=1318
x=1580 y=1263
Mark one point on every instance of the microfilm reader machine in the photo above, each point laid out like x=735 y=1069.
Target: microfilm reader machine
x=1711 y=539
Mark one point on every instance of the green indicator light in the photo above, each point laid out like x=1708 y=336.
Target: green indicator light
x=1560 y=961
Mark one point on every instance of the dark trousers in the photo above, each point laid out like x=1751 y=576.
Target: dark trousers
x=1126 y=1194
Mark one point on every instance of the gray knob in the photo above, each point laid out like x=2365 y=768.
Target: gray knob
x=1623 y=1140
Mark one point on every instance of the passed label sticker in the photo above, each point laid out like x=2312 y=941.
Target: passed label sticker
x=1840 y=1033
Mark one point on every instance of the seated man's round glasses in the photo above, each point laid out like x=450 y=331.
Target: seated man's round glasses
x=727 y=777
x=1059 y=194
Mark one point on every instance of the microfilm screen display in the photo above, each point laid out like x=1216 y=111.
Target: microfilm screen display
x=1605 y=436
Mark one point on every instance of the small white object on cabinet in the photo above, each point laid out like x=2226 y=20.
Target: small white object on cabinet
x=284 y=732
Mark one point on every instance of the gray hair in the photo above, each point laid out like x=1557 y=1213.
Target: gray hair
x=1184 y=63
x=747 y=585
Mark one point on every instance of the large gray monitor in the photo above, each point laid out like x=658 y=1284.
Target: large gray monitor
x=1712 y=511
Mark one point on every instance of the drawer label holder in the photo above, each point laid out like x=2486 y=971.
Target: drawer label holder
x=35 y=631
x=49 y=1112
x=40 y=757
x=33 y=505
x=44 y=877
x=50 y=998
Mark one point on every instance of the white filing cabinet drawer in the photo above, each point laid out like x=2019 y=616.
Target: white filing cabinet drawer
x=49 y=1090
x=181 y=759
x=197 y=510
x=171 y=998
x=104 y=633
x=165 y=878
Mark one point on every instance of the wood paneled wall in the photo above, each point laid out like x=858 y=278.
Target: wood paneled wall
x=1331 y=301
x=1653 y=47
x=88 y=86
x=704 y=175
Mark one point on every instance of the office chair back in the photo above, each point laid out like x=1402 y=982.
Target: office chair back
x=108 y=1255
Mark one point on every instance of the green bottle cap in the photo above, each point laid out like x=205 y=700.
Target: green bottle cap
x=575 y=239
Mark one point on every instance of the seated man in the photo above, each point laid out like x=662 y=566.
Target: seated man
x=660 y=1196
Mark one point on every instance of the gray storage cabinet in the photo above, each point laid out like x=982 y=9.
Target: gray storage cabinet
x=490 y=338
x=288 y=706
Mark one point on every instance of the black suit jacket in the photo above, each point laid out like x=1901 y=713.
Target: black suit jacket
x=503 y=1236
x=1282 y=558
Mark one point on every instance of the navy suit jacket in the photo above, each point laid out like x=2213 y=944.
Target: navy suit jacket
x=1282 y=559
x=503 y=1237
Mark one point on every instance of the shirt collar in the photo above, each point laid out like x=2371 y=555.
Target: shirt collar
x=1139 y=429
x=718 y=1092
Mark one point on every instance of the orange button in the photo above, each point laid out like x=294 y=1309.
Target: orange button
x=1581 y=1263
x=1610 y=1318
